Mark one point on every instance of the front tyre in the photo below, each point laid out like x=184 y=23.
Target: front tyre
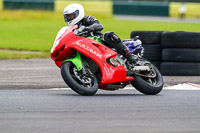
x=82 y=83
x=149 y=85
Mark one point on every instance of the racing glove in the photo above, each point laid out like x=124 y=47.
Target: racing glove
x=89 y=29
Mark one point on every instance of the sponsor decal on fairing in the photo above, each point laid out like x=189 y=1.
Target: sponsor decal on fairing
x=78 y=43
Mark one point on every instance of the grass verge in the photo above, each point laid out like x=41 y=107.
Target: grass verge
x=16 y=54
x=36 y=30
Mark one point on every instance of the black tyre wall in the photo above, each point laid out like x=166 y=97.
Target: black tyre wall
x=180 y=39
x=152 y=52
x=180 y=69
x=148 y=37
x=180 y=55
x=179 y=51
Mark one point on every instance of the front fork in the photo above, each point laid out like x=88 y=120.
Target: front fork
x=77 y=61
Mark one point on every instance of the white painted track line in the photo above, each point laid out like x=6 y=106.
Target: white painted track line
x=185 y=86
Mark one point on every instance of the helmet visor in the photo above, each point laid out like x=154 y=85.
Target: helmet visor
x=71 y=16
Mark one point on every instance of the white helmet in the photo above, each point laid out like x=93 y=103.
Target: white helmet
x=73 y=14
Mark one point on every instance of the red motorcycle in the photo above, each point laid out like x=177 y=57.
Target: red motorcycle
x=87 y=64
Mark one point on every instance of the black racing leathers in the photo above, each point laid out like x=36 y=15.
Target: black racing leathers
x=110 y=39
x=92 y=24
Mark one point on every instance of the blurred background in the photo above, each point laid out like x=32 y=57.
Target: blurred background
x=28 y=27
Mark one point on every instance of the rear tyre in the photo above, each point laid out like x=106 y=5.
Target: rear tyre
x=83 y=84
x=147 y=85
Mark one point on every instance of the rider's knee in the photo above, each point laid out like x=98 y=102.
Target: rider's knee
x=111 y=38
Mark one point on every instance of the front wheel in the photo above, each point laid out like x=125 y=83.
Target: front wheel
x=84 y=83
x=149 y=83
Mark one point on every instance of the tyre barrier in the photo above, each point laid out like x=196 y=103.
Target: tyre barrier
x=180 y=39
x=152 y=52
x=180 y=55
x=180 y=69
x=174 y=53
x=148 y=37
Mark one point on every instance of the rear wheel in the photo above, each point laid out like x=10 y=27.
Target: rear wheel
x=84 y=83
x=148 y=82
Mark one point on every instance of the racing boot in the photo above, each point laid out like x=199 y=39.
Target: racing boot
x=123 y=50
x=131 y=57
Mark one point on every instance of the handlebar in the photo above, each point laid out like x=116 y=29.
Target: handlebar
x=82 y=33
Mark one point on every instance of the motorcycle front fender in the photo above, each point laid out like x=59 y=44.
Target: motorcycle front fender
x=76 y=61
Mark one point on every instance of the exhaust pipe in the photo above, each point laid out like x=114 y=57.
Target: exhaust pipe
x=141 y=68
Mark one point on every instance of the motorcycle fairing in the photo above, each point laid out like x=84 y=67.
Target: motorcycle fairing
x=100 y=53
x=95 y=51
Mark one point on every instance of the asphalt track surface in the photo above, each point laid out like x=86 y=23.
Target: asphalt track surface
x=28 y=104
x=44 y=74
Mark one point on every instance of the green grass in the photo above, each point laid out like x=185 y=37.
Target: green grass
x=36 y=30
x=28 y=34
x=123 y=28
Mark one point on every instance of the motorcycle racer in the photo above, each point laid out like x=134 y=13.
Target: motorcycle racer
x=74 y=15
